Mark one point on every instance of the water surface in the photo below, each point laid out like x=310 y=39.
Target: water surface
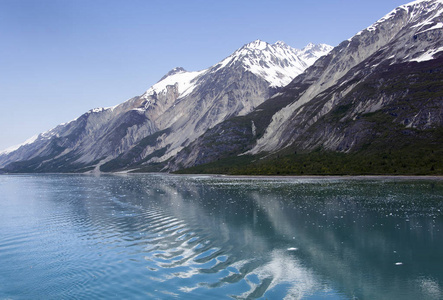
x=201 y=237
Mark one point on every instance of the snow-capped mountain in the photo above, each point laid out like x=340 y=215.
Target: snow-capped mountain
x=380 y=86
x=276 y=63
x=167 y=117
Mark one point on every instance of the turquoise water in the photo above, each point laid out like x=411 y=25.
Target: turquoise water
x=198 y=237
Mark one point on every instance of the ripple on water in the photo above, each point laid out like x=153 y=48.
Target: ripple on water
x=182 y=239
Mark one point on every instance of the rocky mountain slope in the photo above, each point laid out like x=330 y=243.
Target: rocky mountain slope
x=408 y=36
x=170 y=115
x=380 y=90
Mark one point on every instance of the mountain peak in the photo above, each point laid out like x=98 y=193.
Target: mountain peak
x=174 y=71
x=419 y=21
x=277 y=63
x=317 y=47
x=421 y=13
x=281 y=44
x=421 y=1
x=309 y=46
x=256 y=45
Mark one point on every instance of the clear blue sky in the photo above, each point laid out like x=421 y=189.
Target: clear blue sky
x=60 y=58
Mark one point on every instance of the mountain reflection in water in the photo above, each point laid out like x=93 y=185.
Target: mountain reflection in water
x=160 y=236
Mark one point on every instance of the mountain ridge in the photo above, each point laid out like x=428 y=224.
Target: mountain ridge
x=342 y=84
x=375 y=99
x=102 y=134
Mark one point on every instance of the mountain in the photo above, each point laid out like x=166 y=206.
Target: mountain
x=148 y=130
x=377 y=97
x=402 y=40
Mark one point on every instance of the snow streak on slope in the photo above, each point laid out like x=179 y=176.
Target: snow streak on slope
x=428 y=55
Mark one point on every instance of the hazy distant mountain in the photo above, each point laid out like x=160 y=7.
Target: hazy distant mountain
x=381 y=90
x=170 y=115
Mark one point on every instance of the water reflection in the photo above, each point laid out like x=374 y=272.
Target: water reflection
x=204 y=237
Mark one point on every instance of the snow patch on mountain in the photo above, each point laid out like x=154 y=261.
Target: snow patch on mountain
x=428 y=55
x=436 y=26
x=184 y=80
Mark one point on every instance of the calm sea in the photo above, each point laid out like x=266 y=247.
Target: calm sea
x=201 y=237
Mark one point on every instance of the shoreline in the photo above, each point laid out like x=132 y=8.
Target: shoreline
x=353 y=177
x=265 y=177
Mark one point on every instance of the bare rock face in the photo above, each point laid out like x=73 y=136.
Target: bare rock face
x=169 y=116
